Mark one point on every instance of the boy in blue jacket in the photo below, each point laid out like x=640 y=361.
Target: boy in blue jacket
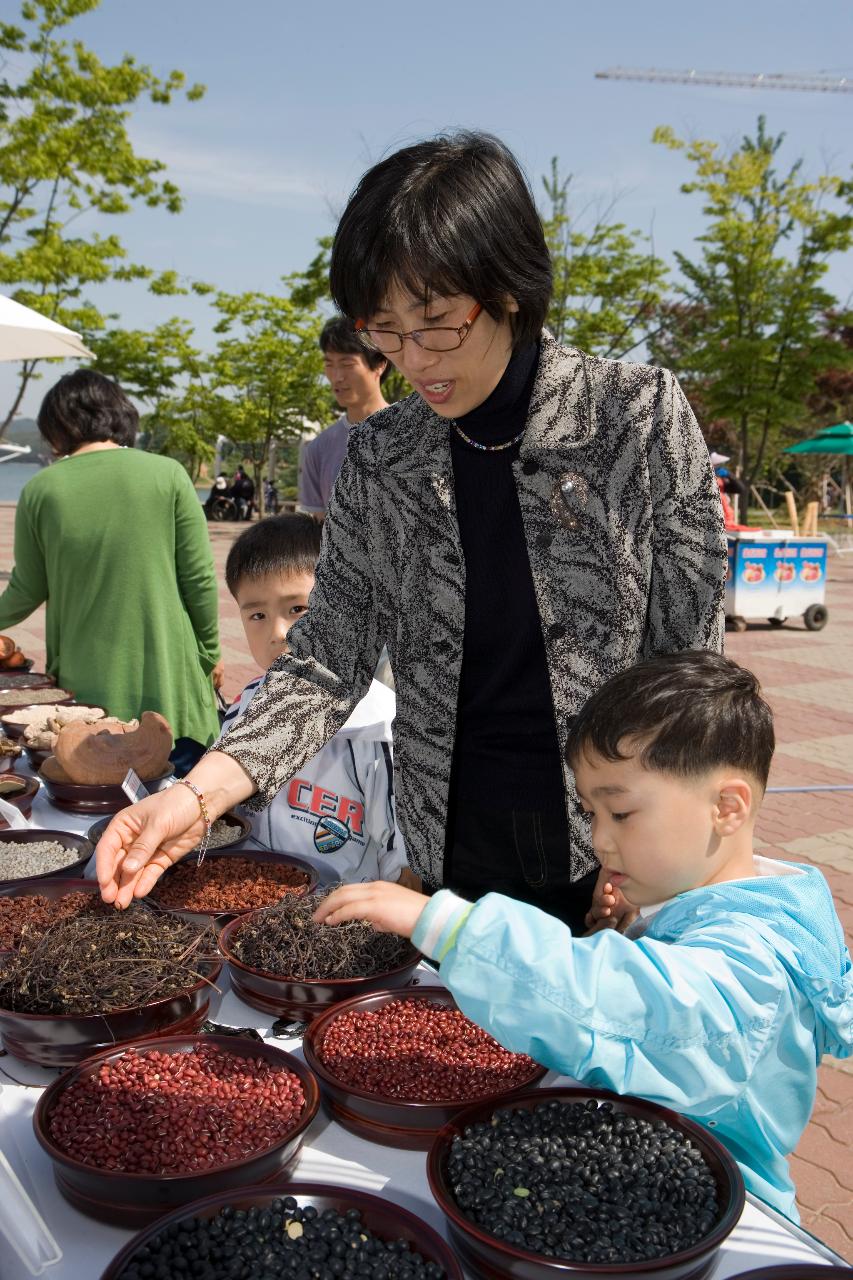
x=721 y=997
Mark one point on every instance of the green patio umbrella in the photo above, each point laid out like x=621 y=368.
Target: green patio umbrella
x=836 y=440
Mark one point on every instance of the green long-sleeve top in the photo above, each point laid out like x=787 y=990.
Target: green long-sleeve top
x=116 y=542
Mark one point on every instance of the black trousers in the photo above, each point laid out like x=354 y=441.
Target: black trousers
x=522 y=854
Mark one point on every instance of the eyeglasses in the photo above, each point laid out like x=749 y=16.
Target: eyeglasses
x=437 y=339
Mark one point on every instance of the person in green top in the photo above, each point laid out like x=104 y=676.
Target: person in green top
x=115 y=540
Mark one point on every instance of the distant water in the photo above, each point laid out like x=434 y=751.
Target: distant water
x=13 y=477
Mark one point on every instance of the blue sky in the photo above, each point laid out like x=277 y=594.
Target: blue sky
x=302 y=97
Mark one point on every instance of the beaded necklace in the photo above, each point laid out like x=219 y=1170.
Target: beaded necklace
x=486 y=448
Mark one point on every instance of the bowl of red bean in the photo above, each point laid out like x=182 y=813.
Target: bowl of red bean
x=282 y=962
x=583 y=1183
x=300 y=1229
x=147 y=973
x=231 y=883
x=135 y=1132
x=396 y=1066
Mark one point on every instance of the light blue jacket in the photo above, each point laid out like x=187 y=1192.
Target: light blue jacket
x=721 y=1010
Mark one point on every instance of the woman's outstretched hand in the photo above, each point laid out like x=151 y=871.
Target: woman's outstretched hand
x=143 y=841
x=390 y=908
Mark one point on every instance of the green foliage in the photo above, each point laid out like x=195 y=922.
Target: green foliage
x=266 y=372
x=168 y=373
x=607 y=286
x=749 y=338
x=64 y=154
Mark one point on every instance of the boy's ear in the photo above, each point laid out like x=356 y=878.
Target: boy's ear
x=733 y=806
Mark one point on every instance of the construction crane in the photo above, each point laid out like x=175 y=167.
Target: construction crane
x=817 y=82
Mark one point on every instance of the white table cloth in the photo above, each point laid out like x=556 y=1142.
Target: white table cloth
x=330 y=1154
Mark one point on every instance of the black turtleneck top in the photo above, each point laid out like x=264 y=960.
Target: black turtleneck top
x=507 y=755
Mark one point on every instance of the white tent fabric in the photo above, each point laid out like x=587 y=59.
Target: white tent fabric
x=26 y=335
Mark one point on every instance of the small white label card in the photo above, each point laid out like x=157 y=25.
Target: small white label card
x=133 y=787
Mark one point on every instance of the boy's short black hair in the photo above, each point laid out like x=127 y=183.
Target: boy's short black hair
x=285 y=545
x=339 y=335
x=85 y=407
x=451 y=215
x=686 y=713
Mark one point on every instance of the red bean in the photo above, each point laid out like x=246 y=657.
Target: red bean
x=422 y=1051
x=172 y=1113
x=229 y=884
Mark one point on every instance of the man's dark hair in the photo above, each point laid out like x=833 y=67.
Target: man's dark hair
x=84 y=407
x=280 y=544
x=339 y=335
x=451 y=215
x=683 y=713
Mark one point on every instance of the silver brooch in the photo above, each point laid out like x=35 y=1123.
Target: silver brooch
x=568 y=498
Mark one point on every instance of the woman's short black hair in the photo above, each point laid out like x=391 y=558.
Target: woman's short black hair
x=683 y=714
x=85 y=407
x=285 y=545
x=339 y=336
x=451 y=215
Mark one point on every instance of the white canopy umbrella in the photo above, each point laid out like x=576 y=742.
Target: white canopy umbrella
x=27 y=335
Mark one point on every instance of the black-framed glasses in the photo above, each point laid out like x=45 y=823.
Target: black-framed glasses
x=440 y=338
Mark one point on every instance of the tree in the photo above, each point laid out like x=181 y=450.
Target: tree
x=749 y=338
x=607 y=286
x=266 y=373
x=64 y=154
x=169 y=374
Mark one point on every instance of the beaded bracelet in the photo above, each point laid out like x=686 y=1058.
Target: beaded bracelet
x=205 y=840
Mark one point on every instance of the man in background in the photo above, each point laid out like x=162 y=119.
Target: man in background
x=355 y=375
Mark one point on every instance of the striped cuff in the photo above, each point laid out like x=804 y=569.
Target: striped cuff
x=439 y=923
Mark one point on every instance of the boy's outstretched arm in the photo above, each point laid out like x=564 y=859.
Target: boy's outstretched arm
x=390 y=908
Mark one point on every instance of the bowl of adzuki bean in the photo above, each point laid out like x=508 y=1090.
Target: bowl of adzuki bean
x=583 y=1183
x=231 y=883
x=136 y=1132
x=301 y=1229
x=394 y=1067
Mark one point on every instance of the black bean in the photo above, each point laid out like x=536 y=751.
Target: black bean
x=584 y=1182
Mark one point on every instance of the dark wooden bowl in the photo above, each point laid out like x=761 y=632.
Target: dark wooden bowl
x=265 y=857
x=63 y=1040
x=384 y=1218
x=489 y=1258
x=24 y=798
x=135 y=1199
x=301 y=1000
x=14 y=729
x=80 y=797
x=36 y=757
x=18 y=678
x=58 y=697
x=242 y=830
x=378 y=1117
x=80 y=844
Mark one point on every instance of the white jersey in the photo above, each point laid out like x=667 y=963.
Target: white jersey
x=338 y=812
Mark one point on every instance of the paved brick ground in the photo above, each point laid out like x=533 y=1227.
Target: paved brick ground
x=808 y=678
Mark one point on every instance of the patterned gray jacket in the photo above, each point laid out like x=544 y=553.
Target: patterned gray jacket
x=624 y=531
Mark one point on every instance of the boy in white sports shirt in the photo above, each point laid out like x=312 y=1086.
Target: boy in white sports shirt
x=338 y=812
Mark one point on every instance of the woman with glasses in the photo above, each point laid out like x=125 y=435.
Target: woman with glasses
x=528 y=523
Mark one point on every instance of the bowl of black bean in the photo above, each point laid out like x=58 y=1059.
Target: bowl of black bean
x=302 y=1229
x=36 y=854
x=583 y=1183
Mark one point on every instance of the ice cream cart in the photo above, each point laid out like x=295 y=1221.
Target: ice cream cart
x=774 y=575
